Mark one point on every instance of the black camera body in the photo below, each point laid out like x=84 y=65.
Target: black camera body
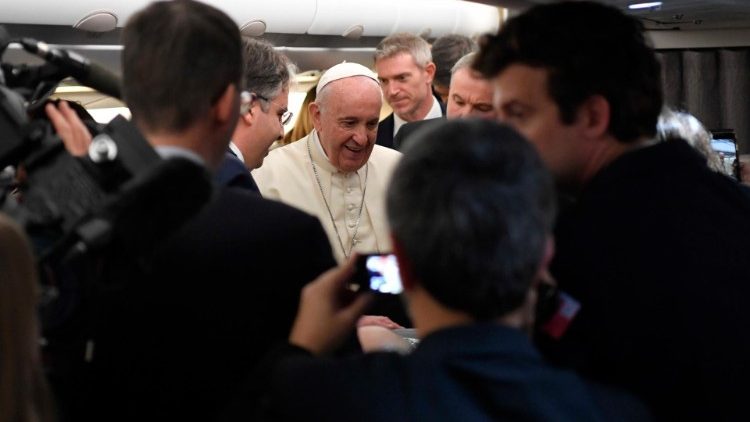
x=87 y=217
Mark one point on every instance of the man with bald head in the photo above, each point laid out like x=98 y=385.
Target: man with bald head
x=337 y=172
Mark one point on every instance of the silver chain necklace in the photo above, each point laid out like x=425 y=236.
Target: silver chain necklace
x=328 y=207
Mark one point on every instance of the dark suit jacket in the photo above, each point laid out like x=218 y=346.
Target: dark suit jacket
x=385 y=130
x=233 y=173
x=177 y=343
x=656 y=250
x=408 y=130
x=483 y=372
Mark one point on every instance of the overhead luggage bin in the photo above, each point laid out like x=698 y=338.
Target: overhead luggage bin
x=477 y=19
x=430 y=19
x=338 y=17
x=53 y=12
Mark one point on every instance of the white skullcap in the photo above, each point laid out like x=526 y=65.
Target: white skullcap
x=344 y=70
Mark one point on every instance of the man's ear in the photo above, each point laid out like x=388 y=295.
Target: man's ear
x=252 y=112
x=430 y=69
x=594 y=116
x=542 y=272
x=404 y=267
x=549 y=253
x=314 y=109
x=248 y=118
x=226 y=107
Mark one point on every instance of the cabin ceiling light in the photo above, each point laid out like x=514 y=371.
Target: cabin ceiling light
x=354 y=32
x=254 y=28
x=98 y=21
x=649 y=5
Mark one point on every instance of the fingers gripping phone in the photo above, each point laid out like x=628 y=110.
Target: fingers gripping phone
x=376 y=273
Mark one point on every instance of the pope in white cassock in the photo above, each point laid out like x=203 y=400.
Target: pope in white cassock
x=337 y=172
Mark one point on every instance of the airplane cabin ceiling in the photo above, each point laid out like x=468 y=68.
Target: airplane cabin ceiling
x=672 y=14
x=318 y=51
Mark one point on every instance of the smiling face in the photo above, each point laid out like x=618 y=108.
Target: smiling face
x=346 y=116
x=407 y=87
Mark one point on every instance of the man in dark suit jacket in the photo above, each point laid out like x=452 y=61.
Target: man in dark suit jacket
x=233 y=173
x=180 y=342
x=453 y=186
x=404 y=66
x=263 y=113
x=176 y=336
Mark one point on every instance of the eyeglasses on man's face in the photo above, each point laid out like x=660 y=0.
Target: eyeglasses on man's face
x=246 y=99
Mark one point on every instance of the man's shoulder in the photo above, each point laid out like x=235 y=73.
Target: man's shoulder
x=383 y=162
x=280 y=166
x=407 y=131
x=333 y=389
x=385 y=155
x=668 y=172
x=412 y=126
x=286 y=154
x=240 y=226
x=387 y=121
x=387 y=377
x=239 y=216
x=239 y=202
x=385 y=132
x=233 y=173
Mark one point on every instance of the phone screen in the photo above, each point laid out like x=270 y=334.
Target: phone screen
x=725 y=144
x=377 y=273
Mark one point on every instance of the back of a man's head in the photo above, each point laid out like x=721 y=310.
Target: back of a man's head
x=471 y=206
x=266 y=71
x=588 y=49
x=179 y=57
x=446 y=51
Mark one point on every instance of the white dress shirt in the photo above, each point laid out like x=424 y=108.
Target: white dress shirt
x=434 y=113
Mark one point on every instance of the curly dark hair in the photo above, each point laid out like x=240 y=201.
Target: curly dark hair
x=588 y=49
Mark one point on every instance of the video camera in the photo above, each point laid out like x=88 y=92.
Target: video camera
x=86 y=216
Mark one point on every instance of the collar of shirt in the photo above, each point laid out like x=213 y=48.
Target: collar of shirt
x=434 y=113
x=236 y=151
x=166 y=152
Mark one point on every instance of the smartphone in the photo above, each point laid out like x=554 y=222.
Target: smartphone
x=376 y=273
x=724 y=142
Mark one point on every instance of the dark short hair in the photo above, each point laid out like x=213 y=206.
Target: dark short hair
x=471 y=205
x=588 y=49
x=266 y=71
x=178 y=58
x=446 y=51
